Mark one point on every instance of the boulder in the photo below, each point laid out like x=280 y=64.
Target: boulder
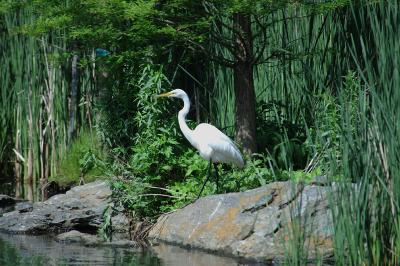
x=120 y=223
x=24 y=206
x=262 y=224
x=81 y=208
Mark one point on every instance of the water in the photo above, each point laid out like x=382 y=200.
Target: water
x=7 y=185
x=16 y=250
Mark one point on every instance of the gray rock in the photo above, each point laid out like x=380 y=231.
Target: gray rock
x=120 y=223
x=24 y=207
x=260 y=224
x=81 y=208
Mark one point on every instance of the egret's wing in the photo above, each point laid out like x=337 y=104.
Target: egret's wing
x=224 y=148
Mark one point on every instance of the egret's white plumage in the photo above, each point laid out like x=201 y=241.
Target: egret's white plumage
x=212 y=144
x=220 y=147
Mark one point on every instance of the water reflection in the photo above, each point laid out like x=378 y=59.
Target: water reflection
x=30 y=192
x=6 y=186
x=24 y=250
x=42 y=250
x=176 y=256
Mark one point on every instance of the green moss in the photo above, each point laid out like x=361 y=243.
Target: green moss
x=84 y=158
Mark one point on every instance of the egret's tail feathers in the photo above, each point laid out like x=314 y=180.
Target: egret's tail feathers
x=240 y=163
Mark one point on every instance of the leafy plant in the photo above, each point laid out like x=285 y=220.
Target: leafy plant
x=106 y=227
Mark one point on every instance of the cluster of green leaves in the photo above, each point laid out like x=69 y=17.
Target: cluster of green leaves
x=119 y=25
x=149 y=160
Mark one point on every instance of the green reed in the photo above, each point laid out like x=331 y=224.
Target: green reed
x=367 y=218
x=336 y=77
x=34 y=98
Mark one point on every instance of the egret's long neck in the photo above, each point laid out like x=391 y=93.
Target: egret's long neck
x=187 y=132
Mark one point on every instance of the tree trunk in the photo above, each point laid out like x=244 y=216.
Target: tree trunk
x=245 y=103
x=245 y=119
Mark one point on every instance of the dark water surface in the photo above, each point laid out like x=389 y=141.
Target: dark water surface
x=7 y=185
x=43 y=250
x=19 y=250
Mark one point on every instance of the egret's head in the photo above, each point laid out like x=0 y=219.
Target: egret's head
x=178 y=93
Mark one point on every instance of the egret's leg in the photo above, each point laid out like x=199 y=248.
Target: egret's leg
x=217 y=176
x=208 y=176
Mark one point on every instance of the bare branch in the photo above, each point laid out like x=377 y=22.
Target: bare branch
x=219 y=59
x=163 y=195
x=257 y=55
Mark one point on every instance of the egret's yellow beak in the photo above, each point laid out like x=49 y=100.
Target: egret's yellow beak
x=167 y=94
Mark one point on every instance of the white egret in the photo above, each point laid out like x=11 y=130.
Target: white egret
x=213 y=145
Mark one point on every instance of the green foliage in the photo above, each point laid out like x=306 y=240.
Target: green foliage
x=151 y=160
x=120 y=25
x=256 y=173
x=85 y=159
x=106 y=227
x=282 y=139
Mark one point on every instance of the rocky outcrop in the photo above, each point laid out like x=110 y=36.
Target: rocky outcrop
x=262 y=224
x=80 y=208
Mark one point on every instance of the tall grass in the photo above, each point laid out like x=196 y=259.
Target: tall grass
x=367 y=218
x=336 y=81
x=34 y=80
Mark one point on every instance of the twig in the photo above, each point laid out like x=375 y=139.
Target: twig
x=165 y=189
x=162 y=195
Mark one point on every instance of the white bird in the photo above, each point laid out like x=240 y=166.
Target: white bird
x=213 y=145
